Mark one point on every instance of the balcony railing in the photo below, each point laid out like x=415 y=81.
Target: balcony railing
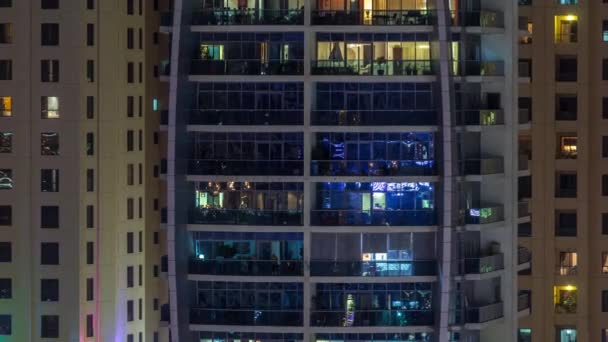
x=246 y=167
x=246 y=67
x=375 y=68
x=523 y=209
x=523 y=255
x=480 y=117
x=478 y=68
x=166 y=19
x=524 y=229
x=373 y=168
x=249 y=16
x=478 y=18
x=373 y=217
x=283 y=268
x=373 y=117
x=374 y=17
x=523 y=116
x=330 y=268
x=522 y=162
x=485 y=214
x=484 y=313
x=487 y=264
x=482 y=166
x=565 y=192
x=523 y=301
x=246 y=117
x=371 y=318
x=566 y=270
x=245 y=217
x=279 y=318
x=566 y=37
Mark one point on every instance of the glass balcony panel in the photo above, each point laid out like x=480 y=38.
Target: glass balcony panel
x=523 y=301
x=246 y=317
x=245 y=167
x=371 y=318
x=373 y=168
x=482 y=117
x=482 y=166
x=485 y=313
x=374 y=117
x=394 y=268
x=292 y=268
x=246 y=117
x=482 y=18
x=376 y=68
x=485 y=214
x=477 y=68
x=484 y=264
x=248 y=16
x=373 y=218
x=523 y=255
x=247 y=67
x=166 y=19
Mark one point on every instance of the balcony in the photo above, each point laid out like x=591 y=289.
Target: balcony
x=565 y=192
x=245 y=217
x=480 y=117
x=371 y=318
x=482 y=18
x=330 y=268
x=164 y=264
x=524 y=116
x=279 y=318
x=524 y=229
x=246 y=167
x=164 y=117
x=523 y=162
x=373 y=168
x=374 y=118
x=478 y=68
x=246 y=117
x=243 y=67
x=373 y=218
x=566 y=270
x=374 y=17
x=378 y=67
x=249 y=16
x=482 y=166
x=484 y=313
x=227 y=267
x=486 y=264
x=165 y=313
x=485 y=214
x=523 y=255
x=523 y=209
x=523 y=301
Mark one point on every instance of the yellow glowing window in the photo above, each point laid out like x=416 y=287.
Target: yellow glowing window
x=6 y=106
x=50 y=107
x=565 y=298
x=212 y=52
x=568 y=146
x=566 y=28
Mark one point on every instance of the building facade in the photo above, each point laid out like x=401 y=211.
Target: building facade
x=563 y=69
x=342 y=170
x=80 y=238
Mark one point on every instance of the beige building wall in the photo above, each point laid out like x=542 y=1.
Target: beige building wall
x=548 y=270
x=108 y=121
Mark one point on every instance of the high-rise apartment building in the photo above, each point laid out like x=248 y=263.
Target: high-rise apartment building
x=563 y=79
x=342 y=170
x=79 y=227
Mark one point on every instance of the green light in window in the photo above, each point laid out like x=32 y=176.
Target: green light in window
x=155 y=104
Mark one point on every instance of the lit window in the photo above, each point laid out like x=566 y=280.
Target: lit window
x=6 y=106
x=565 y=334
x=49 y=144
x=566 y=28
x=6 y=142
x=568 y=263
x=565 y=299
x=524 y=335
x=50 y=107
x=567 y=147
x=6 y=179
x=605 y=30
x=605 y=263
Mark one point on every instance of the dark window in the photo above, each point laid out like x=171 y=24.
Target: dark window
x=130 y=7
x=6 y=215
x=90 y=144
x=89 y=325
x=90 y=107
x=90 y=289
x=130 y=72
x=90 y=34
x=565 y=224
x=90 y=4
x=130 y=140
x=140 y=275
x=130 y=174
x=140 y=208
x=49 y=253
x=90 y=253
x=6 y=252
x=141 y=7
x=140 y=107
x=90 y=216
x=49 y=34
x=6 y=33
x=6 y=70
x=140 y=334
x=155 y=238
x=5 y=4
x=565 y=185
x=49 y=70
x=604 y=69
x=156 y=5
x=155 y=304
x=141 y=39
x=5 y=325
x=130 y=106
x=6 y=288
x=155 y=337
x=140 y=140
x=140 y=67
x=605 y=223
x=140 y=240
x=525 y=68
x=130 y=243
x=605 y=147
x=90 y=71
x=604 y=185
x=90 y=180
x=140 y=176
x=155 y=38
x=49 y=326
x=566 y=107
x=130 y=38
x=49 y=180
x=566 y=69
x=49 y=144
x=130 y=338
x=140 y=307
x=155 y=138
x=155 y=271
x=155 y=71
x=130 y=276
x=130 y=209
x=130 y=313
x=49 y=4
x=49 y=290
x=49 y=217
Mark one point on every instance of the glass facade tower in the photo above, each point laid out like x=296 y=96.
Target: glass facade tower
x=341 y=170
